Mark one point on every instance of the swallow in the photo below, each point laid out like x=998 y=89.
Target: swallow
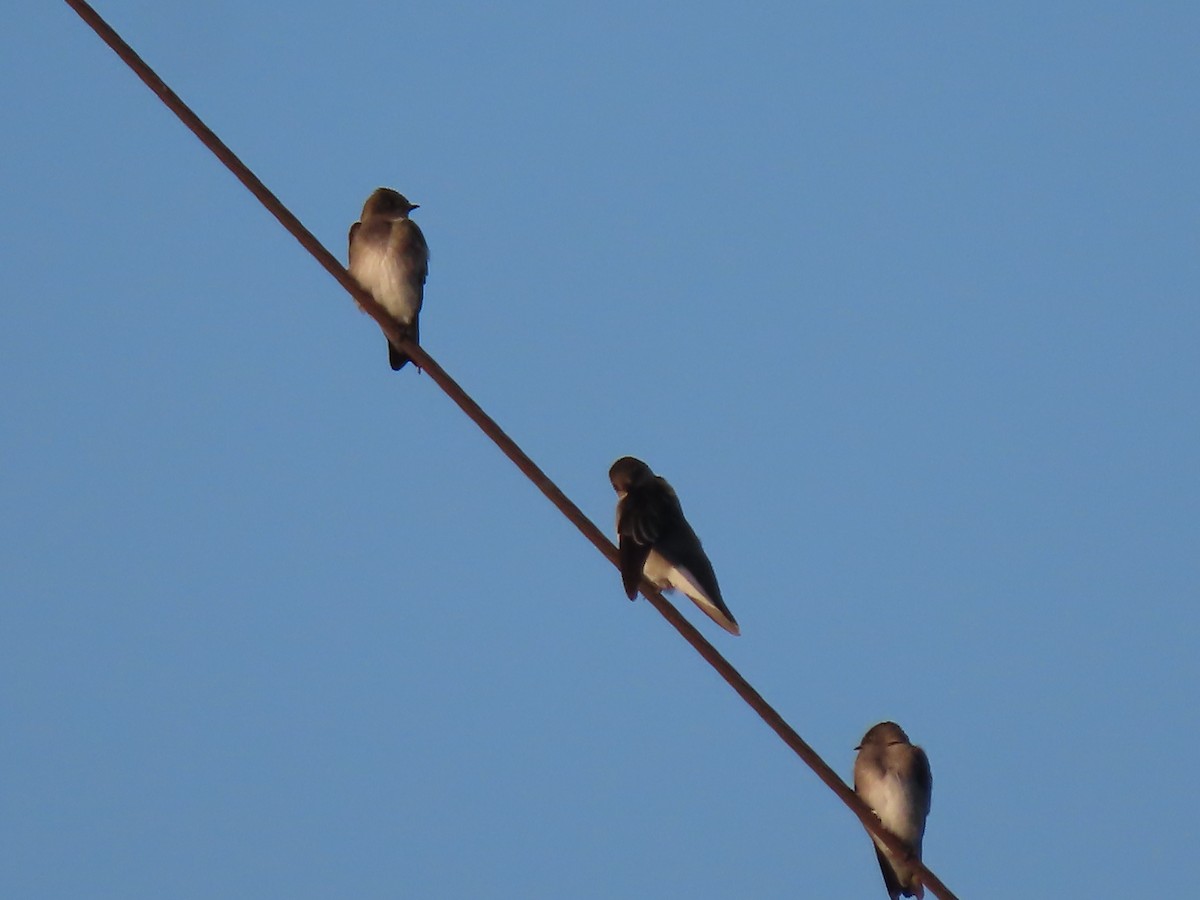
x=390 y=259
x=656 y=541
x=892 y=777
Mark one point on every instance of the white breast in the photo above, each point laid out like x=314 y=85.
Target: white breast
x=658 y=570
x=895 y=807
x=381 y=273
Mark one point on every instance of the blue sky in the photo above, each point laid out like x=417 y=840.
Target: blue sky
x=902 y=300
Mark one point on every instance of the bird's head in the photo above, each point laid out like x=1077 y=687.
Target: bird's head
x=628 y=472
x=385 y=203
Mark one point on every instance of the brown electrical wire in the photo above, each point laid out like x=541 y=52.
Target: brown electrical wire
x=506 y=444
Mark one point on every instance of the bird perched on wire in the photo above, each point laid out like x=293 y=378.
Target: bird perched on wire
x=892 y=777
x=656 y=540
x=390 y=259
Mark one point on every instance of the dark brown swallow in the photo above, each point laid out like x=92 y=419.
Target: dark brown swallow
x=656 y=541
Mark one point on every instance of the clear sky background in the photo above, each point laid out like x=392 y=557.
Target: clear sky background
x=903 y=299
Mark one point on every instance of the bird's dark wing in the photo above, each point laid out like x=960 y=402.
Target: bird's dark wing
x=633 y=560
x=890 y=881
x=419 y=250
x=923 y=780
x=680 y=547
x=645 y=513
x=678 y=544
x=648 y=511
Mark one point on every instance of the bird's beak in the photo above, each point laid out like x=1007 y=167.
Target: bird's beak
x=415 y=206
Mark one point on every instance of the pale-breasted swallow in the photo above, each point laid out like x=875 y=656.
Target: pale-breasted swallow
x=892 y=777
x=656 y=540
x=390 y=259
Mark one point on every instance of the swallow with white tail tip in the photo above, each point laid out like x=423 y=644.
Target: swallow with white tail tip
x=655 y=540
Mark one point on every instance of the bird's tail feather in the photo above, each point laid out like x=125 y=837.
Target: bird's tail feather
x=683 y=580
x=397 y=358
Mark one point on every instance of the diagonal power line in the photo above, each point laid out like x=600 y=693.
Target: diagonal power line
x=506 y=444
